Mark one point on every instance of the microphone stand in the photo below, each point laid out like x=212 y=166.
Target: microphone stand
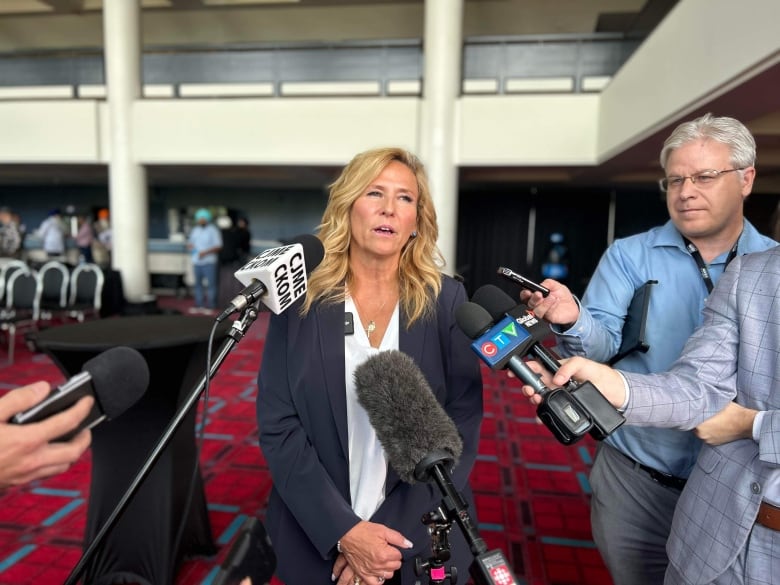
x=439 y=526
x=236 y=334
x=490 y=567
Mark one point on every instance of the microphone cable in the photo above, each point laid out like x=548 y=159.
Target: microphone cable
x=199 y=438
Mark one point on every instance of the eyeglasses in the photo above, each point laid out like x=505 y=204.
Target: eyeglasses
x=702 y=179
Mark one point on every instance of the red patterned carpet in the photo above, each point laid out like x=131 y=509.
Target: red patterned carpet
x=532 y=493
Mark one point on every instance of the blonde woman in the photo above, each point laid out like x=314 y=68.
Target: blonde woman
x=336 y=513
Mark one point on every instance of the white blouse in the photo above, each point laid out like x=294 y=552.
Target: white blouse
x=367 y=461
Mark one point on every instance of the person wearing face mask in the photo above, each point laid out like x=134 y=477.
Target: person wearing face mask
x=639 y=473
x=335 y=513
x=204 y=243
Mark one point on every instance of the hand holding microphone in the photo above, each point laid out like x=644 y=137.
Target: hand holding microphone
x=609 y=382
x=27 y=454
x=529 y=286
x=502 y=345
x=53 y=435
x=553 y=302
x=498 y=304
x=115 y=378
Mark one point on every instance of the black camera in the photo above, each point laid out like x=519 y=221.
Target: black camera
x=567 y=420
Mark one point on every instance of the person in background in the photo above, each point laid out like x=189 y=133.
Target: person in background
x=10 y=236
x=726 y=527
x=556 y=259
x=335 y=512
x=639 y=473
x=52 y=234
x=233 y=255
x=204 y=243
x=22 y=227
x=84 y=238
x=244 y=239
x=29 y=452
x=101 y=244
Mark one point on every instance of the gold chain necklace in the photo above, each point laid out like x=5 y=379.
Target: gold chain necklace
x=371 y=327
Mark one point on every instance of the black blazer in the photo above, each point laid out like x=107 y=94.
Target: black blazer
x=302 y=417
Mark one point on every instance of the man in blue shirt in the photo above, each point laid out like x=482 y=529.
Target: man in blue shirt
x=205 y=242
x=639 y=473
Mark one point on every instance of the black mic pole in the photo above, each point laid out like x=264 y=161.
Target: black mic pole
x=488 y=567
x=236 y=334
x=434 y=465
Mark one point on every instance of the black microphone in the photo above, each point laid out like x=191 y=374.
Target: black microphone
x=409 y=421
x=116 y=378
x=277 y=276
x=422 y=443
x=524 y=282
x=605 y=417
x=500 y=346
x=498 y=304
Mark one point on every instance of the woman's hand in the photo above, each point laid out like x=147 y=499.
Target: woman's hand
x=369 y=554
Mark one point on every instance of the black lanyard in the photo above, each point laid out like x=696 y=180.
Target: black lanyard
x=703 y=270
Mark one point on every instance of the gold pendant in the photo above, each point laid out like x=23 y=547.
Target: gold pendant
x=370 y=328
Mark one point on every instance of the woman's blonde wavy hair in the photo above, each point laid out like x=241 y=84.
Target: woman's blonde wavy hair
x=420 y=264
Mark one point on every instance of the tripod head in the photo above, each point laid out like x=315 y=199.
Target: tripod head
x=439 y=526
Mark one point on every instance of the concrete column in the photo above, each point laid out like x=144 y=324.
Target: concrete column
x=442 y=48
x=127 y=179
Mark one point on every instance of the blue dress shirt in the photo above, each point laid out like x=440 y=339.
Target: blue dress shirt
x=675 y=311
x=204 y=237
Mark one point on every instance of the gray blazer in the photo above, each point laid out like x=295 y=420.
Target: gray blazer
x=734 y=354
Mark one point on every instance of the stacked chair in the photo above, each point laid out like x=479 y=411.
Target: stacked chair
x=30 y=298
x=86 y=289
x=52 y=293
x=19 y=304
x=6 y=270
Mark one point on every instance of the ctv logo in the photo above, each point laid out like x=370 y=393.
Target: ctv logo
x=489 y=349
x=506 y=335
x=499 y=341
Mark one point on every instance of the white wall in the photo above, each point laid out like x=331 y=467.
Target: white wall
x=49 y=131
x=678 y=68
x=492 y=130
x=527 y=130
x=675 y=70
x=271 y=131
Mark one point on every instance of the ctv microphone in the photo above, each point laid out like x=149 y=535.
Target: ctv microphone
x=116 y=378
x=497 y=303
x=277 y=275
x=500 y=346
x=422 y=443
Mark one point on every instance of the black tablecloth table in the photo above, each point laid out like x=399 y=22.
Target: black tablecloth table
x=140 y=547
